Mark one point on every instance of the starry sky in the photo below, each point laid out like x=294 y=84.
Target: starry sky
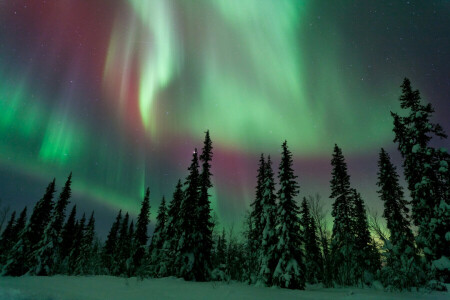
x=120 y=92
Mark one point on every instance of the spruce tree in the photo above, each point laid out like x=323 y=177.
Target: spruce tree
x=14 y=263
x=6 y=238
x=159 y=237
x=313 y=257
x=123 y=248
x=427 y=173
x=173 y=231
x=68 y=234
x=140 y=235
x=290 y=270
x=48 y=250
x=187 y=246
x=342 y=240
x=402 y=269
x=255 y=231
x=19 y=226
x=110 y=248
x=367 y=260
x=267 y=259
x=21 y=258
x=85 y=262
x=202 y=263
x=75 y=252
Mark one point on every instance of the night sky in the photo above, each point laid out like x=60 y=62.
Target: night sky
x=121 y=92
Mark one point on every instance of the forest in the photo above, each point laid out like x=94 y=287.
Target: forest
x=285 y=242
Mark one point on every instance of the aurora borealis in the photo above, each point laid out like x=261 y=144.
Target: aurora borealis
x=121 y=91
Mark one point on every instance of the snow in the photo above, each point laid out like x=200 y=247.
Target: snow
x=115 y=288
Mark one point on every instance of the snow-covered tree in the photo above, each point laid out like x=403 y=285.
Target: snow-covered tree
x=123 y=247
x=173 y=232
x=158 y=267
x=366 y=254
x=141 y=236
x=290 y=270
x=87 y=260
x=6 y=238
x=313 y=257
x=75 y=252
x=254 y=222
x=427 y=173
x=343 y=239
x=202 y=263
x=402 y=269
x=187 y=247
x=67 y=238
x=48 y=249
x=110 y=248
x=267 y=259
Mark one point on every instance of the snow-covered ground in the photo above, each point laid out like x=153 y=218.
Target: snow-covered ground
x=112 y=288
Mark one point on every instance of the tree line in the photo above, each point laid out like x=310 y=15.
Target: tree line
x=285 y=243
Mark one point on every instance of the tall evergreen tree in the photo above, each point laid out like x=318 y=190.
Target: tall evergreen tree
x=188 y=217
x=267 y=259
x=48 y=249
x=366 y=254
x=158 y=239
x=313 y=257
x=75 y=252
x=402 y=269
x=110 y=248
x=19 y=226
x=68 y=234
x=202 y=263
x=21 y=257
x=123 y=248
x=290 y=270
x=342 y=240
x=15 y=258
x=6 y=238
x=140 y=235
x=427 y=173
x=254 y=221
x=173 y=230
x=85 y=262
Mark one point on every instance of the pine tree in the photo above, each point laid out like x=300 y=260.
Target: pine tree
x=202 y=262
x=251 y=250
x=48 y=249
x=267 y=259
x=327 y=264
x=187 y=247
x=18 y=226
x=68 y=236
x=131 y=246
x=75 y=252
x=6 y=238
x=123 y=248
x=141 y=236
x=255 y=231
x=110 y=248
x=402 y=268
x=159 y=237
x=21 y=257
x=342 y=240
x=313 y=258
x=365 y=253
x=426 y=171
x=15 y=256
x=85 y=262
x=173 y=231
x=290 y=270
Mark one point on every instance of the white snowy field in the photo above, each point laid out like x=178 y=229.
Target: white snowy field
x=113 y=288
